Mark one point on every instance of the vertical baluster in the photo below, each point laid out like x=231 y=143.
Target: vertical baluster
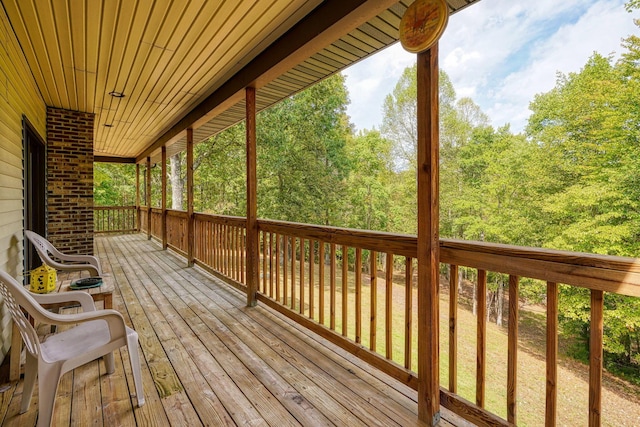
x=332 y=288
x=236 y=258
x=243 y=254
x=302 y=244
x=512 y=355
x=321 y=283
x=271 y=289
x=218 y=242
x=552 y=354
x=239 y=254
x=312 y=262
x=408 y=311
x=481 y=337
x=278 y=268
x=264 y=262
x=285 y=270
x=294 y=242
x=388 y=305
x=345 y=290
x=358 y=279
x=595 y=358
x=374 y=301
x=453 y=328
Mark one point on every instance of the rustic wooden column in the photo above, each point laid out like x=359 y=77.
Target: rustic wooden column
x=164 y=197
x=252 y=204
x=595 y=358
x=148 y=197
x=190 y=231
x=138 y=197
x=428 y=238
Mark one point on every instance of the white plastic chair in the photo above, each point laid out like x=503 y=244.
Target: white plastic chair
x=88 y=263
x=98 y=333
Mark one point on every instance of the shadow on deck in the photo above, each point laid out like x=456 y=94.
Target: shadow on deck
x=209 y=360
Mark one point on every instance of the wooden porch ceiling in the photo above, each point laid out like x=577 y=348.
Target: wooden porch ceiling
x=208 y=360
x=182 y=64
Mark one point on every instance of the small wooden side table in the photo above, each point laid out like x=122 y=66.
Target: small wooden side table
x=102 y=293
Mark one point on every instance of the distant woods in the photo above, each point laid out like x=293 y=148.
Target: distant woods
x=571 y=181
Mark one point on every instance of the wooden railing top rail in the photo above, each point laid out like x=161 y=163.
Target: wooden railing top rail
x=234 y=221
x=176 y=214
x=398 y=244
x=114 y=208
x=601 y=272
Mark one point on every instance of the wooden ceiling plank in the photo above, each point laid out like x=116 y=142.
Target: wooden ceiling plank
x=266 y=16
x=79 y=36
x=311 y=34
x=170 y=66
x=377 y=34
x=385 y=24
x=135 y=56
x=26 y=27
x=329 y=58
x=363 y=41
x=326 y=67
x=106 y=41
x=162 y=22
x=348 y=47
x=51 y=46
x=62 y=24
x=340 y=53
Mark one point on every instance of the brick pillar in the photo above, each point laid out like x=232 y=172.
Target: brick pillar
x=70 y=180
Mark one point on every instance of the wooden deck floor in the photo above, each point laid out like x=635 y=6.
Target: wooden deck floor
x=209 y=360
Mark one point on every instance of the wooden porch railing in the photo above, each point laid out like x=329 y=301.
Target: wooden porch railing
x=115 y=219
x=355 y=288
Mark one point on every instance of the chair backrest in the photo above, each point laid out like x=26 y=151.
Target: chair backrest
x=15 y=296
x=42 y=245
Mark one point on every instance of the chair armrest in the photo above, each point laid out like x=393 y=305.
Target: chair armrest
x=91 y=268
x=88 y=260
x=114 y=319
x=85 y=300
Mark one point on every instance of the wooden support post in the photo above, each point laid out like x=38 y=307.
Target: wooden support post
x=481 y=340
x=595 y=358
x=190 y=230
x=252 y=202
x=148 y=196
x=428 y=237
x=512 y=357
x=138 y=197
x=453 y=328
x=552 y=354
x=164 y=197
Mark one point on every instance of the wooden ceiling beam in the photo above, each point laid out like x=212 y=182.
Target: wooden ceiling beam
x=113 y=159
x=325 y=24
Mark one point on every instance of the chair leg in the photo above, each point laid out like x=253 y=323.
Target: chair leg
x=30 y=374
x=48 y=379
x=109 y=363
x=132 y=345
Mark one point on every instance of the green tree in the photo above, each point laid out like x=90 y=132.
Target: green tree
x=369 y=181
x=114 y=184
x=302 y=159
x=586 y=129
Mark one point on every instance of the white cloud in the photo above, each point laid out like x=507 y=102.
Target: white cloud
x=500 y=53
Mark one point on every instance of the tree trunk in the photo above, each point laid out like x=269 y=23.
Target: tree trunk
x=177 y=182
x=500 y=303
x=475 y=298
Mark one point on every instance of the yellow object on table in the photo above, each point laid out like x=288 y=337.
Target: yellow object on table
x=43 y=279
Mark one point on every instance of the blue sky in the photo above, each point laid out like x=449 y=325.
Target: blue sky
x=500 y=53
